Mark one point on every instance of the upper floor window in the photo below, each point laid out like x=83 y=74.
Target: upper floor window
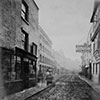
x=40 y=46
x=34 y=49
x=40 y=57
x=25 y=41
x=24 y=11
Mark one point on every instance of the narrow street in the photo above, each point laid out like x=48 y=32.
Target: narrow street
x=69 y=87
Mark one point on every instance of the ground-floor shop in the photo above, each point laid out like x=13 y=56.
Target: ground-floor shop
x=43 y=69
x=18 y=69
x=96 y=72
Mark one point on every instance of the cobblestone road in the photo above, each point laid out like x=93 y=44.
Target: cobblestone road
x=69 y=87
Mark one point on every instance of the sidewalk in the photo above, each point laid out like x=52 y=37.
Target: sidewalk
x=94 y=85
x=25 y=93
x=28 y=92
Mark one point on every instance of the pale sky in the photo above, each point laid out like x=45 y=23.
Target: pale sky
x=66 y=22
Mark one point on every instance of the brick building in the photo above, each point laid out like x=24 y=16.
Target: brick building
x=18 y=44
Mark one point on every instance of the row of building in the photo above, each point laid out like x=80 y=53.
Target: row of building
x=91 y=59
x=95 y=42
x=25 y=48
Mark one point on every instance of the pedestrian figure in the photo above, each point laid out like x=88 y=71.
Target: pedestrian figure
x=40 y=78
x=49 y=78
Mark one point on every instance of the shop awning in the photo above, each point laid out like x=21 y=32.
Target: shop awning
x=22 y=53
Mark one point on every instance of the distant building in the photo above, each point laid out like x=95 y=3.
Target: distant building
x=18 y=43
x=95 y=38
x=61 y=62
x=46 y=59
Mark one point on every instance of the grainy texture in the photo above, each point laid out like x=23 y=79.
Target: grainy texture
x=67 y=88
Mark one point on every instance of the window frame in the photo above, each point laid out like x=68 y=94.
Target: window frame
x=26 y=40
x=33 y=49
x=25 y=12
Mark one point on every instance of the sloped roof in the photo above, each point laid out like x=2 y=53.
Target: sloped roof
x=96 y=4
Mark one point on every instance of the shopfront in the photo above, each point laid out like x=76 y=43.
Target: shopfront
x=18 y=69
x=28 y=64
x=96 y=67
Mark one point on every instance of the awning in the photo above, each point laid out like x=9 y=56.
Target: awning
x=22 y=53
x=7 y=50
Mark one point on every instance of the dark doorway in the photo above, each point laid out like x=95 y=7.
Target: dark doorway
x=25 y=74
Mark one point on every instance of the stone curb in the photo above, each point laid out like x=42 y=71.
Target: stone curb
x=23 y=94
x=92 y=84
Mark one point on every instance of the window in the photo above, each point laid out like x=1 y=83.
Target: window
x=40 y=46
x=43 y=59
x=93 y=46
x=34 y=49
x=43 y=48
x=18 y=69
x=40 y=57
x=96 y=41
x=32 y=69
x=25 y=41
x=96 y=68
x=24 y=11
x=93 y=68
x=7 y=64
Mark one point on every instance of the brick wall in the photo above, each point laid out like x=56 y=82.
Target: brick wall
x=11 y=34
x=10 y=21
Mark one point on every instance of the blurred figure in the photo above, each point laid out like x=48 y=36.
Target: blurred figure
x=40 y=78
x=49 y=78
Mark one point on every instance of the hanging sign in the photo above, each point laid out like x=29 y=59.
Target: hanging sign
x=83 y=48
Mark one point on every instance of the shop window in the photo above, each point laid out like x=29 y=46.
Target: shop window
x=31 y=69
x=7 y=64
x=24 y=10
x=18 y=67
x=25 y=40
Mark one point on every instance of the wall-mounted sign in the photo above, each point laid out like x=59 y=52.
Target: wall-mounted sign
x=83 y=48
x=97 y=55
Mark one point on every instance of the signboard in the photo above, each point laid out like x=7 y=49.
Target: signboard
x=83 y=48
x=97 y=55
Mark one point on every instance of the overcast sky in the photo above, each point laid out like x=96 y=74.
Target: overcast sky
x=66 y=22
